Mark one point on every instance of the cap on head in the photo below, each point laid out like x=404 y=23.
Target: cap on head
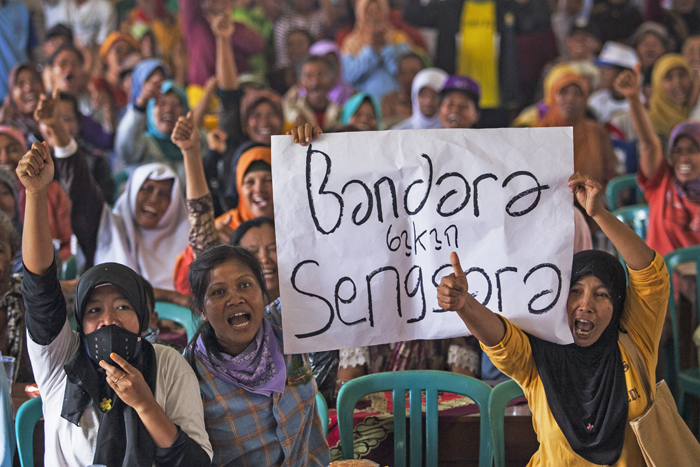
x=618 y=55
x=462 y=84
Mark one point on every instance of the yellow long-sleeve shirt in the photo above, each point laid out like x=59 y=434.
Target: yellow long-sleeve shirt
x=642 y=318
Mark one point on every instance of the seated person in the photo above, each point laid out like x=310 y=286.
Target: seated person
x=118 y=405
x=397 y=106
x=341 y=91
x=362 y=112
x=148 y=224
x=9 y=205
x=425 y=98
x=112 y=53
x=613 y=60
x=459 y=102
x=25 y=85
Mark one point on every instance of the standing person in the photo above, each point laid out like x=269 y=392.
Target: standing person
x=371 y=53
x=118 y=405
x=90 y=20
x=425 y=99
x=17 y=39
x=582 y=395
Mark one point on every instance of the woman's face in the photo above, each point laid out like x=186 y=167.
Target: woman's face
x=169 y=107
x=256 y=191
x=116 y=54
x=152 y=201
x=375 y=23
x=108 y=305
x=68 y=73
x=676 y=85
x=263 y=122
x=650 y=48
x=685 y=158
x=570 y=102
x=25 y=94
x=364 y=118
x=428 y=101
x=261 y=242
x=7 y=201
x=589 y=310
x=458 y=111
x=10 y=152
x=234 y=306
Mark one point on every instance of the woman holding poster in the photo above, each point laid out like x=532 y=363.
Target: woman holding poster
x=582 y=395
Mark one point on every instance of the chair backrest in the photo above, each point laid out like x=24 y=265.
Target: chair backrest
x=635 y=216
x=180 y=315
x=415 y=382
x=629 y=149
x=69 y=271
x=617 y=185
x=501 y=395
x=673 y=260
x=322 y=412
x=28 y=414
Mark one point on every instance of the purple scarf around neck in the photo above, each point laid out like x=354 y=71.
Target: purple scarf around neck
x=690 y=190
x=259 y=369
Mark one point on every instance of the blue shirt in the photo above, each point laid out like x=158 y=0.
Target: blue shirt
x=17 y=38
x=374 y=73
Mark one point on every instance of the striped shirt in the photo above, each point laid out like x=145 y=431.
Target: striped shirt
x=247 y=429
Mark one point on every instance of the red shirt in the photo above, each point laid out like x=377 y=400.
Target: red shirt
x=674 y=222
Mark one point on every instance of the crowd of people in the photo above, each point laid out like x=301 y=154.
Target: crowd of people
x=135 y=138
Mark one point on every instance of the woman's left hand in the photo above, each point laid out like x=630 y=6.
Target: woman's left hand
x=587 y=192
x=128 y=383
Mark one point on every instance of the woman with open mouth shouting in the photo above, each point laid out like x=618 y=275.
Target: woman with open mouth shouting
x=147 y=225
x=582 y=395
x=109 y=397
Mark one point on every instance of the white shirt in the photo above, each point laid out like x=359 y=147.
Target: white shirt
x=605 y=105
x=177 y=392
x=91 y=22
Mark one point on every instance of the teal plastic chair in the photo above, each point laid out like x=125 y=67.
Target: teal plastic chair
x=322 y=412
x=180 y=315
x=635 y=216
x=619 y=184
x=415 y=382
x=501 y=396
x=69 y=270
x=28 y=414
x=686 y=381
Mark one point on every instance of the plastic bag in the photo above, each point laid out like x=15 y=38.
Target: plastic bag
x=325 y=369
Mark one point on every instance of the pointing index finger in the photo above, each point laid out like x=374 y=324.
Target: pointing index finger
x=454 y=259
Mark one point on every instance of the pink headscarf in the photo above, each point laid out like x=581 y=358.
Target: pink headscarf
x=15 y=134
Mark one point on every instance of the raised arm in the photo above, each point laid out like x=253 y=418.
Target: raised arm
x=631 y=247
x=628 y=83
x=453 y=295
x=226 y=71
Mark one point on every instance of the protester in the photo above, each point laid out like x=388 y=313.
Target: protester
x=613 y=60
x=362 y=112
x=17 y=38
x=301 y=15
x=341 y=91
x=578 y=393
x=90 y=20
x=425 y=98
x=9 y=205
x=397 y=106
x=459 y=102
x=651 y=41
x=25 y=86
x=132 y=404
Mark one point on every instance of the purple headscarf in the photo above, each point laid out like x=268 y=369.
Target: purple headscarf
x=342 y=91
x=259 y=369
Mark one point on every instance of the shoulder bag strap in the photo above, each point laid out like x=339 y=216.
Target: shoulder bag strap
x=638 y=364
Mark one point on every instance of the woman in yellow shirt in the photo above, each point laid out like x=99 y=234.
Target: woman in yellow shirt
x=583 y=395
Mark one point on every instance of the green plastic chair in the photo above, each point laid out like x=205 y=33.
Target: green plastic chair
x=28 y=414
x=687 y=381
x=69 y=270
x=415 y=382
x=322 y=412
x=180 y=315
x=619 y=184
x=501 y=396
x=635 y=216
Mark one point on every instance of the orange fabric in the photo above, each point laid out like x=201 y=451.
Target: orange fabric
x=593 y=153
x=238 y=216
x=112 y=39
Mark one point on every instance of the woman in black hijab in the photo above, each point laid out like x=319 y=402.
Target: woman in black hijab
x=582 y=395
x=109 y=397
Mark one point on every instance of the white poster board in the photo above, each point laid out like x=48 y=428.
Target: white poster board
x=366 y=222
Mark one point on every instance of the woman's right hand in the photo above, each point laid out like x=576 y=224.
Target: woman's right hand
x=453 y=289
x=222 y=26
x=628 y=83
x=35 y=169
x=587 y=192
x=186 y=135
x=150 y=90
x=304 y=134
x=225 y=231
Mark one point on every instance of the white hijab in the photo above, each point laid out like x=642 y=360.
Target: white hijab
x=151 y=253
x=435 y=79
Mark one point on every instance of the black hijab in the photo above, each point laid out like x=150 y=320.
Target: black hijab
x=585 y=386
x=122 y=439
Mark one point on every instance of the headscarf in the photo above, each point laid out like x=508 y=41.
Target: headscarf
x=663 y=113
x=690 y=189
x=166 y=145
x=433 y=78
x=142 y=72
x=112 y=39
x=341 y=91
x=254 y=97
x=10 y=181
x=259 y=369
x=354 y=103
x=122 y=439
x=357 y=39
x=24 y=123
x=585 y=386
x=151 y=252
x=242 y=213
x=15 y=134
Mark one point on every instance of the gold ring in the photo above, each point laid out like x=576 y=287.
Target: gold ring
x=121 y=377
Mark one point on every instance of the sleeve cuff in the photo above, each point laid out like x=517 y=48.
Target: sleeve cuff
x=66 y=151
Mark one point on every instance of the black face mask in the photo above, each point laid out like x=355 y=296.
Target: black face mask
x=101 y=343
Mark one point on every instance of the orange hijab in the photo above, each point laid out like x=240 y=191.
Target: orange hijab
x=592 y=154
x=238 y=215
